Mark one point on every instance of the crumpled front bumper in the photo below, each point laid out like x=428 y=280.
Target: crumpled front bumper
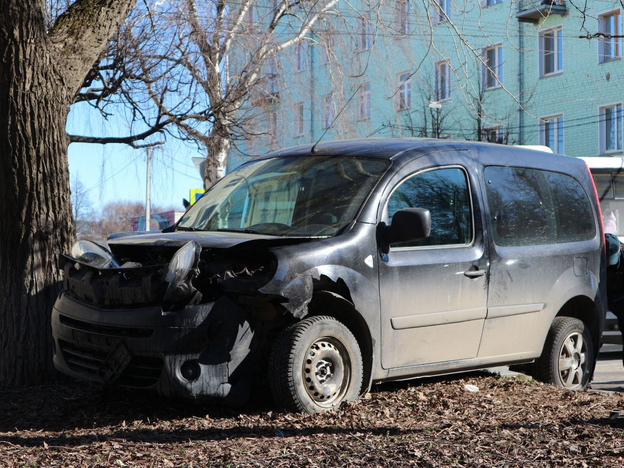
x=200 y=351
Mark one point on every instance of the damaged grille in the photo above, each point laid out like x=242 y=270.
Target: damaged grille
x=126 y=287
x=141 y=372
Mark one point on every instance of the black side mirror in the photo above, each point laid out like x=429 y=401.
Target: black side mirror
x=408 y=224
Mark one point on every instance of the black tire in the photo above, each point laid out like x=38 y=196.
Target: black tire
x=315 y=365
x=568 y=357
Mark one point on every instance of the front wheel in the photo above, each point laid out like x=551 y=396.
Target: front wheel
x=315 y=365
x=568 y=357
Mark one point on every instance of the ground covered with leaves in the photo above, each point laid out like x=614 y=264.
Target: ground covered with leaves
x=471 y=420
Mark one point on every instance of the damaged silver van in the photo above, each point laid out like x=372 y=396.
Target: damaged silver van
x=326 y=268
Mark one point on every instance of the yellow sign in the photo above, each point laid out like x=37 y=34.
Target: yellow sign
x=196 y=194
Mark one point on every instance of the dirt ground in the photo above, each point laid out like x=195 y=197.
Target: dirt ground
x=429 y=423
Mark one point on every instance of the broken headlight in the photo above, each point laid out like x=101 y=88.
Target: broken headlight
x=93 y=254
x=182 y=269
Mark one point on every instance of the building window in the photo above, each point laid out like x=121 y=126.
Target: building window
x=551 y=132
x=442 y=80
x=300 y=56
x=551 y=51
x=610 y=45
x=271 y=76
x=328 y=110
x=272 y=126
x=611 y=128
x=299 y=119
x=327 y=48
x=364 y=102
x=487 y=3
x=365 y=34
x=404 y=101
x=492 y=62
x=493 y=134
x=404 y=22
x=249 y=16
x=443 y=10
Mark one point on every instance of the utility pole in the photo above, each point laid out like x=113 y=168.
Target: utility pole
x=148 y=201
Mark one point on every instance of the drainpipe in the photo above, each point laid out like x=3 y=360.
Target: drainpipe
x=313 y=102
x=520 y=81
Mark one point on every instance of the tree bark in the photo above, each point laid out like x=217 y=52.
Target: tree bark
x=40 y=72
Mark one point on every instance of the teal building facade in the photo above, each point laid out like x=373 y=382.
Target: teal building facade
x=529 y=72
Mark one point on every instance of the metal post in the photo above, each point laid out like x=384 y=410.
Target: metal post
x=148 y=209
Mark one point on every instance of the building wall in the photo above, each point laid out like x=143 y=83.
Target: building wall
x=577 y=92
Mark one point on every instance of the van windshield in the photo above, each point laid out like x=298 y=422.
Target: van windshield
x=287 y=196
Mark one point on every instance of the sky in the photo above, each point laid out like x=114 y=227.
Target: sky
x=117 y=172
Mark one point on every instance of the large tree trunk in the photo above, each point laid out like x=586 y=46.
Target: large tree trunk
x=38 y=79
x=34 y=201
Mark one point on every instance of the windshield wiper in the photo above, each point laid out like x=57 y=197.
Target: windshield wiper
x=184 y=228
x=247 y=231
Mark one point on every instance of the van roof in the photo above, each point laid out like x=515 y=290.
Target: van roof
x=389 y=148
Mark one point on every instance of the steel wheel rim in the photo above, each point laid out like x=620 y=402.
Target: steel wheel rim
x=573 y=360
x=326 y=371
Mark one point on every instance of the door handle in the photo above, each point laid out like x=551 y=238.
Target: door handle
x=474 y=273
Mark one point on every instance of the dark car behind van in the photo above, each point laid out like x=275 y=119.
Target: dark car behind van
x=326 y=268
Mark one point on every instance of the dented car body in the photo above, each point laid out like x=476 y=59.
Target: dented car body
x=324 y=269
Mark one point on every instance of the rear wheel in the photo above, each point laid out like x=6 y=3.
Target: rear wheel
x=315 y=365
x=568 y=356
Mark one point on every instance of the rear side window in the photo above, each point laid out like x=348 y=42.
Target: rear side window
x=444 y=192
x=532 y=207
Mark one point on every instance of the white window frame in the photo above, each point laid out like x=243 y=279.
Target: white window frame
x=329 y=110
x=404 y=20
x=404 y=96
x=551 y=132
x=443 y=80
x=365 y=34
x=499 y=130
x=364 y=102
x=300 y=56
x=492 y=72
x=556 y=52
x=299 y=113
x=610 y=48
x=605 y=132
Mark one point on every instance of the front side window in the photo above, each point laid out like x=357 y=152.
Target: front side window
x=364 y=102
x=405 y=91
x=551 y=51
x=551 y=132
x=444 y=192
x=610 y=44
x=288 y=196
x=611 y=128
x=492 y=65
x=443 y=80
x=534 y=207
